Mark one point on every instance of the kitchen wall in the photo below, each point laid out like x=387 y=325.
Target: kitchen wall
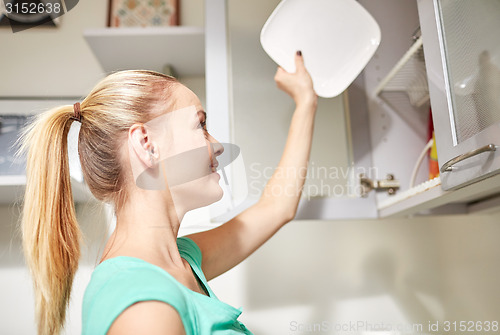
x=399 y=271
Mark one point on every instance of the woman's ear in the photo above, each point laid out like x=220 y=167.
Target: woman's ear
x=142 y=145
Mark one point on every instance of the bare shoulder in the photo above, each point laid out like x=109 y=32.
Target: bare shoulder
x=148 y=317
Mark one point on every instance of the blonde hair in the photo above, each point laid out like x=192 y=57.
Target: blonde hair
x=50 y=231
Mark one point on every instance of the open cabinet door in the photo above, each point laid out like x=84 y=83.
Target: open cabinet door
x=462 y=54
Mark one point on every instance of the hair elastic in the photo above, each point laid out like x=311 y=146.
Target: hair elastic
x=78 y=114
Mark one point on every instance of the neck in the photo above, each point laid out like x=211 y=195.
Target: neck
x=147 y=227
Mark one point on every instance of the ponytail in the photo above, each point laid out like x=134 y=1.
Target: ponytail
x=51 y=236
x=50 y=232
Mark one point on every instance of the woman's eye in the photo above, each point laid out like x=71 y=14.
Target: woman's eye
x=203 y=125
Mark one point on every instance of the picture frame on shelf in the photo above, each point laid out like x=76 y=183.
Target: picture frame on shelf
x=143 y=13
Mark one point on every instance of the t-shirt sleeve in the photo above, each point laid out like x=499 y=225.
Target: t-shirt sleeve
x=129 y=286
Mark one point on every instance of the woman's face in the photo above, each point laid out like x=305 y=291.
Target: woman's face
x=187 y=153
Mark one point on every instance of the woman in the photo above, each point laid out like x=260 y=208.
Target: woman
x=149 y=281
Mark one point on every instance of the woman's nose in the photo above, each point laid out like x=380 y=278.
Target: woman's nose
x=217 y=148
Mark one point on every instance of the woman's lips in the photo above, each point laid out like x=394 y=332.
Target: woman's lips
x=214 y=165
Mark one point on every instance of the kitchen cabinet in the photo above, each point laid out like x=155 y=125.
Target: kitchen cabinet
x=391 y=102
x=407 y=77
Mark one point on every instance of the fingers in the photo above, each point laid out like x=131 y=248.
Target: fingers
x=299 y=84
x=299 y=60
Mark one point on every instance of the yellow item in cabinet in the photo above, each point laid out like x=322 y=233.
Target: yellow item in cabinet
x=433 y=160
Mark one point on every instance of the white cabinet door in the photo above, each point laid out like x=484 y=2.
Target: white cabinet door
x=462 y=53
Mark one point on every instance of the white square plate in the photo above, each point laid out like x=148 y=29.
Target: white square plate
x=337 y=39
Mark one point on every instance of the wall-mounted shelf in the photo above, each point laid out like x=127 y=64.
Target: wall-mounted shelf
x=182 y=47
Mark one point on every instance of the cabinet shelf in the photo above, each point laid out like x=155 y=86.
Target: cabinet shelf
x=405 y=87
x=150 y=48
x=429 y=195
x=400 y=198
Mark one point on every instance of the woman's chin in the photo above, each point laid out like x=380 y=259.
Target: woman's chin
x=198 y=193
x=220 y=193
x=212 y=195
x=215 y=189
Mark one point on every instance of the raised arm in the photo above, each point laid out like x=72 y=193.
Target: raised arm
x=226 y=246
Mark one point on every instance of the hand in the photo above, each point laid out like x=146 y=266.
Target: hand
x=298 y=85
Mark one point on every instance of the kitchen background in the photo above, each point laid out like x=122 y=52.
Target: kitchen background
x=393 y=271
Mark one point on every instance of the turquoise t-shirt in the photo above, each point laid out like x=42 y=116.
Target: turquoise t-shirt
x=119 y=282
